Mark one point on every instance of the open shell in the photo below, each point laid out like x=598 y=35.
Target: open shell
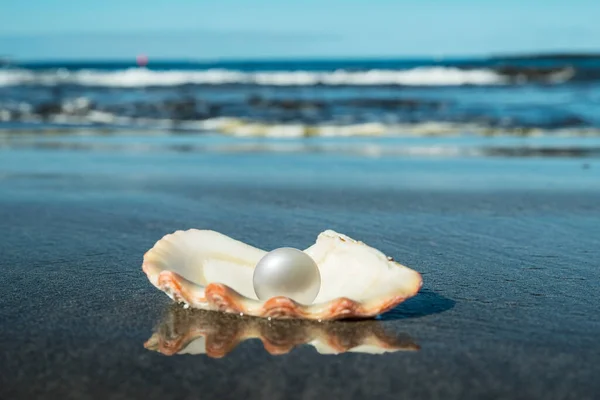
x=210 y=271
x=216 y=335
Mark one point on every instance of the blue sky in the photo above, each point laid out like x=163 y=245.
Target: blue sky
x=202 y=29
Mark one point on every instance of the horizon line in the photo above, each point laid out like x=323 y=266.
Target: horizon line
x=7 y=59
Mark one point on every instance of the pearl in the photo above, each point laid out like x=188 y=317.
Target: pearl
x=287 y=272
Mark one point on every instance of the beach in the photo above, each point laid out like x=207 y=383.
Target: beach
x=507 y=243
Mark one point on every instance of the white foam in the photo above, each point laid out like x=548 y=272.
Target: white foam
x=142 y=77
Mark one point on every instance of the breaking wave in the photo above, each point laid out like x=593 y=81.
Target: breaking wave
x=141 y=77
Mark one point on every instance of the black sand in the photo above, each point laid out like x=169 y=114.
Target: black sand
x=509 y=309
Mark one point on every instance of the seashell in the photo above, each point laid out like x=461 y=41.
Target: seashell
x=207 y=270
x=216 y=335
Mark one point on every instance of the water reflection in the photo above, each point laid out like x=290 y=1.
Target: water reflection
x=569 y=146
x=216 y=334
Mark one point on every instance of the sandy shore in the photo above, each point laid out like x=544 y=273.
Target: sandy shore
x=508 y=251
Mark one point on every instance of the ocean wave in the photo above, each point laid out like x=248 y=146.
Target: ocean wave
x=237 y=127
x=141 y=77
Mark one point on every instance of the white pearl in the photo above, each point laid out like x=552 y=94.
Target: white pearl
x=287 y=272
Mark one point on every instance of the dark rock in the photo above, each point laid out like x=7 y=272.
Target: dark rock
x=47 y=109
x=534 y=74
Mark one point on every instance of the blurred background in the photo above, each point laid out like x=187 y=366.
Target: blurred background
x=302 y=69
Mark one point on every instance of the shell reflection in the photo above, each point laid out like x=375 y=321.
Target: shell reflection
x=216 y=334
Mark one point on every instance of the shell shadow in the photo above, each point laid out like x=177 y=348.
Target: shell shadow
x=215 y=334
x=423 y=304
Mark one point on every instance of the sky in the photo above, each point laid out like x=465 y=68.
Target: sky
x=247 y=29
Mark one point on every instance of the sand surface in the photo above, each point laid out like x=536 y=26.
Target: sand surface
x=508 y=250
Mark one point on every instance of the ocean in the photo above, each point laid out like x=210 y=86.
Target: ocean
x=525 y=96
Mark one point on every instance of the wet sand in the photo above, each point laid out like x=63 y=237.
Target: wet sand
x=508 y=250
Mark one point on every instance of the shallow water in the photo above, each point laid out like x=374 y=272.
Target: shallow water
x=508 y=248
